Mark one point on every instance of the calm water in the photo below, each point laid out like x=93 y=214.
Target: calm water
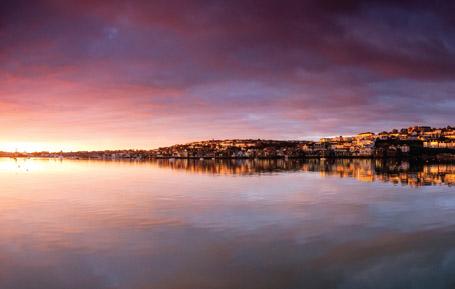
x=240 y=224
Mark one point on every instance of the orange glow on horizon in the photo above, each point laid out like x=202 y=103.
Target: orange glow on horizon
x=38 y=146
x=29 y=147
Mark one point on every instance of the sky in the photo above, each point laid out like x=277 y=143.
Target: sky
x=85 y=75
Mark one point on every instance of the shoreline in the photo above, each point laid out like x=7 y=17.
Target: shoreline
x=417 y=159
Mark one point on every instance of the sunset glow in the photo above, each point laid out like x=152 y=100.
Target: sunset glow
x=225 y=144
x=32 y=147
x=78 y=75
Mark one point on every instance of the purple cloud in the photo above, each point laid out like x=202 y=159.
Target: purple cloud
x=161 y=72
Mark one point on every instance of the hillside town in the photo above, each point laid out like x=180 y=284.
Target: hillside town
x=414 y=142
x=411 y=142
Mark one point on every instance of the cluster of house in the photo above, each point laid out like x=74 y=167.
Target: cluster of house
x=415 y=140
x=232 y=149
x=418 y=141
x=97 y=155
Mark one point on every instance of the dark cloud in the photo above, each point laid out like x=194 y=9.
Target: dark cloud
x=301 y=61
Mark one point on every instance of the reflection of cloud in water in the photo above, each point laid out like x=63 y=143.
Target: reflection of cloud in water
x=78 y=224
x=194 y=258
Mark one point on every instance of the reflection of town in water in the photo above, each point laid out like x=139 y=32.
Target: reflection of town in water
x=397 y=172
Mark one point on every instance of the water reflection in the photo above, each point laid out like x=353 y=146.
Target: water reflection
x=205 y=225
x=397 y=172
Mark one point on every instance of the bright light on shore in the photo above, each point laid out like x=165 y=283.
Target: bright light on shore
x=29 y=147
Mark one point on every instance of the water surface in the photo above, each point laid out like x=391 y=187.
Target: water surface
x=226 y=224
